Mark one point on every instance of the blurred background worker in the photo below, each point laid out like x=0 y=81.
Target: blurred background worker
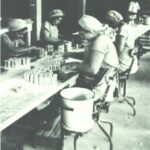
x=126 y=38
x=49 y=31
x=100 y=60
x=113 y=21
x=12 y=42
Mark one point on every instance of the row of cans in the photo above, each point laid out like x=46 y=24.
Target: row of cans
x=61 y=48
x=17 y=62
x=45 y=54
x=51 y=58
x=55 y=66
x=48 y=78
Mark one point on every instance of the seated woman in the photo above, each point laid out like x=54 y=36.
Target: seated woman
x=49 y=30
x=113 y=21
x=100 y=59
x=12 y=41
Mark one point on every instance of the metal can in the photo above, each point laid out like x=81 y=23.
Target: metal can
x=31 y=78
x=36 y=79
x=21 y=59
x=27 y=76
x=16 y=62
x=24 y=61
x=19 y=62
x=48 y=79
x=50 y=48
x=28 y=60
x=58 y=65
x=11 y=63
x=68 y=46
x=54 y=79
x=50 y=67
x=45 y=54
x=61 y=48
x=6 y=64
x=41 y=80
x=44 y=79
x=77 y=46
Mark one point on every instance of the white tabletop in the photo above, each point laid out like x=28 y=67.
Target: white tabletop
x=19 y=97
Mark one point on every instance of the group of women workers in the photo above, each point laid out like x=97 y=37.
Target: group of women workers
x=107 y=55
x=107 y=50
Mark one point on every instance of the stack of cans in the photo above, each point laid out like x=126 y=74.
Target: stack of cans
x=55 y=62
x=56 y=65
x=16 y=63
x=42 y=76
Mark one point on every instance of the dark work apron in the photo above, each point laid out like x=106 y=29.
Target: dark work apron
x=90 y=82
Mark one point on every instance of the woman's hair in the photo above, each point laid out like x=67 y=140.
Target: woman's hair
x=113 y=18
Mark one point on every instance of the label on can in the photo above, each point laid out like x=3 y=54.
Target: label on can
x=68 y=46
x=61 y=48
x=50 y=48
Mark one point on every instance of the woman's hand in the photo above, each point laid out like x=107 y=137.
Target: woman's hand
x=133 y=51
x=71 y=66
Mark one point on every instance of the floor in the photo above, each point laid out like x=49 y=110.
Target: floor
x=130 y=133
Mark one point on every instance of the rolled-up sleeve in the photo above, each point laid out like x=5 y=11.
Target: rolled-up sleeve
x=124 y=31
x=100 y=44
x=45 y=28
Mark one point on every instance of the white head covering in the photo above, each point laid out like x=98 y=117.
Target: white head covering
x=133 y=7
x=114 y=15
x=90 y=24
x=56 y=13
x=16 y=24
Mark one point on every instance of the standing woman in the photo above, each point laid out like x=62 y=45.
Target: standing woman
x=100 y=60
x=126 y=38
x=49 y=31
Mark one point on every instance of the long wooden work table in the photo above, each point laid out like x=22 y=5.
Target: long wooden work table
x=18 y=97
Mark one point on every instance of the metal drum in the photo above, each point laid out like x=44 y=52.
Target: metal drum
x=77 y=109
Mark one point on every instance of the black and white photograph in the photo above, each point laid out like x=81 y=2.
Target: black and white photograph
x=75 y=75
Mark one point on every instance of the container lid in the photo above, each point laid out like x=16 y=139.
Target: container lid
x=77 y=94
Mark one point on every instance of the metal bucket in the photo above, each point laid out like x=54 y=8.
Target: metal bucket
x=146 y=19
x=77 y=109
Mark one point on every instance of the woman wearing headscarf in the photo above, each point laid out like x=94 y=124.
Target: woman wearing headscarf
x=113 y=21
x=49 y=30
x=12 y=41
x=100 y=59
